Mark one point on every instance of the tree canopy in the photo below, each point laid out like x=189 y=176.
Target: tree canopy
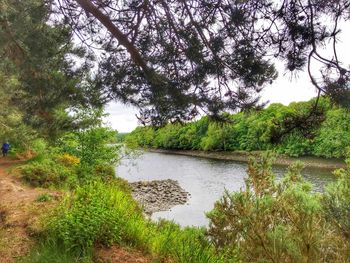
x=41 y=82
x=173 y=59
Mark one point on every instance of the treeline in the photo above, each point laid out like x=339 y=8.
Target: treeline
x=296 y=130
x=44 y=90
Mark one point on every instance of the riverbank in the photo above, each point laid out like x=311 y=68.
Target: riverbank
x=241 y=156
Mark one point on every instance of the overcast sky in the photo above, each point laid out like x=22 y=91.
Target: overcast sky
x=284 y=90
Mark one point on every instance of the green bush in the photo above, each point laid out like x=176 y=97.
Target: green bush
x=46 y=173
x=273 y=221
x=187 y=245
x=94 y=146
x=295 y=145
x=336 y=202
x=87 y=173
x=333 y=139
x=78 y=157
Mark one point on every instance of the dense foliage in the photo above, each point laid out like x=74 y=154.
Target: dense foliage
x=105 y=214
x=42 y=85
x=281 y=221
x=75 y=158
x=269 y=220
x=297 y=129
x=184 y=55
x=173 y=58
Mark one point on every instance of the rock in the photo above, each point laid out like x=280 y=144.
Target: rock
x=159 y=195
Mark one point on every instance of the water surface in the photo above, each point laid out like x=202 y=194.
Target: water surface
x=205 y=180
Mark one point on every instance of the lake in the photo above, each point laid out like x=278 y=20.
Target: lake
x=205 y=180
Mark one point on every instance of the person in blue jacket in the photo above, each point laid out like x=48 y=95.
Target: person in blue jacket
x=5 y=148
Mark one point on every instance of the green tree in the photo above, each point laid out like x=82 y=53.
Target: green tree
x=333 y=139
x=39 y=54
x=177 y=57
x=94 y=146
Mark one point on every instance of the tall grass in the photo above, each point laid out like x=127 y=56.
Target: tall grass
x=100 y=213
x=51 y=252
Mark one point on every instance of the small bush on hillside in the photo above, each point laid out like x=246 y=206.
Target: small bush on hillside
x=45 y=173
x=86 y=173
x=68 y=160
x=36 y=149
x=280 y=221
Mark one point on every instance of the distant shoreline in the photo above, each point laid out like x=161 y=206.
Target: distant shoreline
x=241 y=156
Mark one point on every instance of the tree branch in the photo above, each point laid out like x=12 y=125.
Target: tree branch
x=136 y=57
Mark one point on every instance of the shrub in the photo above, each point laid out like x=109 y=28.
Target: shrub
x=68 y=160
x=336 y=202
x=91 y=146
x=295 y=145
x=45 y=173
x=187 y=245
x=333 y=138
x=274 y=221
x=86 y=173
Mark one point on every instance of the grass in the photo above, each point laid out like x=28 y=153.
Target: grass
x=44 y=197
x=101 y=213
x=50 y=252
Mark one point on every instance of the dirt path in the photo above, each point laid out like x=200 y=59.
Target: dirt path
x=19 y=213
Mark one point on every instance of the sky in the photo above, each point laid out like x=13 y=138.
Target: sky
x=284 y=89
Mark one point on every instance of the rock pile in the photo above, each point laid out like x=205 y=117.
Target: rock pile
x=159 y=195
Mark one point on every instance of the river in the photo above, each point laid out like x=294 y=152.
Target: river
x=205 y=180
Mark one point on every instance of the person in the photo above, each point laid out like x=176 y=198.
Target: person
x=5 y=148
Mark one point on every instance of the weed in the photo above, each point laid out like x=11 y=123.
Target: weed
x=45 y=197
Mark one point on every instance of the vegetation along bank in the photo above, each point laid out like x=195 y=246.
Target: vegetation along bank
x=298 y=129
x=64 y=202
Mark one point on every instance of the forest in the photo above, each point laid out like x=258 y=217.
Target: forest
x=62 y=61
x=294 y=130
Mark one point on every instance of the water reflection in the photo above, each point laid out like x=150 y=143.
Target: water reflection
x=204 y=179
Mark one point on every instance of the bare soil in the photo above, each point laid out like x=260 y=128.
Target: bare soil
x=19 y=213
x=116 y=254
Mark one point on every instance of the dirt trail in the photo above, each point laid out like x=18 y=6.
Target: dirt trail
x=19 y=213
